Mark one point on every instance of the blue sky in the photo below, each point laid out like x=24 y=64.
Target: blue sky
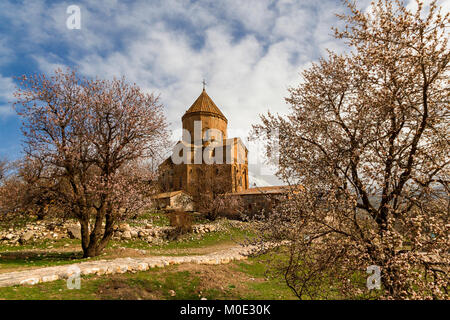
x=249 y=51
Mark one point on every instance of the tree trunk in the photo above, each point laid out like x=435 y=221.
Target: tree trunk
x=91 y=251
x=94 y=243
x=85 y=239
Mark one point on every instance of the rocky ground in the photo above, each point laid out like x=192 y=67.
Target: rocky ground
x=121 y=265
x=40 y=230
x=143 y=230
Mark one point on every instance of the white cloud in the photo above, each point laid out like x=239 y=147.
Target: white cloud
x=7 y=87
x=50 y=63
x=6 y=53
x=250 y=52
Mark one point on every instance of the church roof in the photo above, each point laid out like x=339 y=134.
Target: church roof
x=204 y=104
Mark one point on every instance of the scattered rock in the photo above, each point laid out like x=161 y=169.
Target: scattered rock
x=126 y=235
x=24 y=238
x=53 y=230
x=31 y=281
x=124 y=227
x=120 y=265
x=50 y=278
x=74 y=232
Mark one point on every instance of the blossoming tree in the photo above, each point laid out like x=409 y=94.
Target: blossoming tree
x=368 y=139
x=92 y=137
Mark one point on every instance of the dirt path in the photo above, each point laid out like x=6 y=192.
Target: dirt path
x=197 y=250
x=224 y=253
x=110 y=254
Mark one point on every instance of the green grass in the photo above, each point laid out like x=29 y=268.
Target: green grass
x=247 y=280
x=17 y=222
x=158 y=218
x=271 y=288
x=161 y=219
x=261 y=285
x=31 y=255
x=190 y=241
x=93 y=288
x=34 y=255
x=153 y=284
x=183 y=283
x=212 y=238
x=158 y=283
x=41 y=260
x=41 y=244
x=131 y=244
x=56 y=290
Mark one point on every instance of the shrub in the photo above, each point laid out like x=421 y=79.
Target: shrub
x=182 y=223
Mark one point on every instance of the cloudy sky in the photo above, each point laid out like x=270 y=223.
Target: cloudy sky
x=248 y=51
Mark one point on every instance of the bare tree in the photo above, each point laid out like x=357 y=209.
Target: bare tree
x=23 y=192
x=368 y=138
x=10 y=190
x=3 y=168
x=211 y=199
x=90 y=136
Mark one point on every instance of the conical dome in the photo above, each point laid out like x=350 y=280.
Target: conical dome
x=204 y=105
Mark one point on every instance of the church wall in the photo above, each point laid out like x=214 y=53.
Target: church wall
x=179 y=177
x=240 y=177
x=195 y=177
x=208 y=122
x=203 y=177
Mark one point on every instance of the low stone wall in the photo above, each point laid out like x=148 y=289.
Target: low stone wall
x=38 y=230
x=153 y=234
x=41 y=230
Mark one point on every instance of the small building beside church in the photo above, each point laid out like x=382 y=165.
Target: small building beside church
x=262 y=200
x=175 y=200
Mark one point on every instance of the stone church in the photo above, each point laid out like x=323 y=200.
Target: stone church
x=206 y=159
